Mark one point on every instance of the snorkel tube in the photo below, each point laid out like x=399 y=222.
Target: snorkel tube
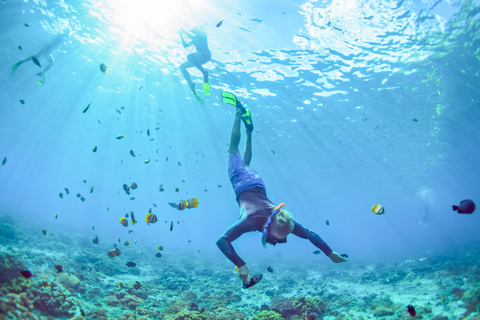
x=265 y=231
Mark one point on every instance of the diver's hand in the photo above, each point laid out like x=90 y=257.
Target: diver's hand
x=336 y=257
x=244 y=273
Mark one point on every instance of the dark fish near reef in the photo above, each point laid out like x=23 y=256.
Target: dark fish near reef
x=133 y=217
x=202 y=310
x=411 y=310
x=82 y=313
x=466 y=206
x=131 y=264
x=22 y=101
x=60 y=195
x=269 y=269
x=327 y=223
x=45 y=232
x=59 y=268
x=85 y=110
x=103 y=68
x=35 y=60
x=317 y=252
x=27 y=274
x=126 y=188
x=132 y=153
x=95 y=240
x=158 y=255
x=137 y=285
x=171 y=225
x=66 y=190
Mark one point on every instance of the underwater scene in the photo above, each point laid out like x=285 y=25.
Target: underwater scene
x=267 y=160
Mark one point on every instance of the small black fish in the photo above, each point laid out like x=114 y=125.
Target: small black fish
x=137 y=285
x=179 y=163
x=131 y=264
x=415 y=120
x=269 y=269
x=317 y=252
x=94 y=149
x=78 y=195
x=220 y=186
x=59 y=268
x=82 y=313
x=158 y=255
x=148 y=132
x=85 y=110
x=154 y=205
x=171 y=225
x=465 y=206
x=91 y=189
x=132 y=153
x=66 y=190
x=140 y=88
x=84 y=181
x=22 y=101
x=411 y=310
x=189 y=241
x=327 y=223
x=132 y=198
x=35 y=60
x=273 y=152
x=173 y=205
x=20 y=47
x=126 y=188
x=93 y=227
x=4 y=161
x=27 y=274
x=26 y=25
x=95 y=240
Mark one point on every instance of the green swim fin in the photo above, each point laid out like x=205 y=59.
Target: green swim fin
x=42 y=78
x=247 y=120
x=230 y=98
x=198 y=97
x=15 y=67
x=206 y=88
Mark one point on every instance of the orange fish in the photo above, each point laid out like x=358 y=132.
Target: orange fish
x=120 y=284
x=124 y=221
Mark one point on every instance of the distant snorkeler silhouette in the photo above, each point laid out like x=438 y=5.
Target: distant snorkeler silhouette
x=426 y=196
x=198 y=38
x=45 y=52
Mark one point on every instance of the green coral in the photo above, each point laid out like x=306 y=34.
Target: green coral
x=11 y=279
x=268 y=315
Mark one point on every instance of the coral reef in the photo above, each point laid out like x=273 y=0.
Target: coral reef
x=53 y=300
x=18 y=306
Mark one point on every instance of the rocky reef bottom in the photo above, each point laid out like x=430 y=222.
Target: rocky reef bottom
x=93 y=286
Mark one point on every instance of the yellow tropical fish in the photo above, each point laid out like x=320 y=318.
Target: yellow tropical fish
x=192 y=203
x=378 y=209
x=124 y=221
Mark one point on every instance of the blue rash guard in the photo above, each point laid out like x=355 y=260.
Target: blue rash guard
x=258 y=210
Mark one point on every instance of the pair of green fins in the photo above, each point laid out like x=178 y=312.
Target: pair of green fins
x=230 y=98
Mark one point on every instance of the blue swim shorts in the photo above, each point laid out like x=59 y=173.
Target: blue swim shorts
x=242 y=176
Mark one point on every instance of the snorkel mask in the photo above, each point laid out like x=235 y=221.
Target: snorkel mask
x=265 y=231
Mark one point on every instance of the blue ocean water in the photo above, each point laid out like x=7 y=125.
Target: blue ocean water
x=354 y=103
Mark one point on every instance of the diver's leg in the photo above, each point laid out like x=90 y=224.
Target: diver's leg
x=247 y=153
x=50 y=61
x=235 y=135
x=19 y=63
x=186 y=75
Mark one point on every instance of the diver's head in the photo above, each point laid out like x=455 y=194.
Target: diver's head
x=280 y=228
